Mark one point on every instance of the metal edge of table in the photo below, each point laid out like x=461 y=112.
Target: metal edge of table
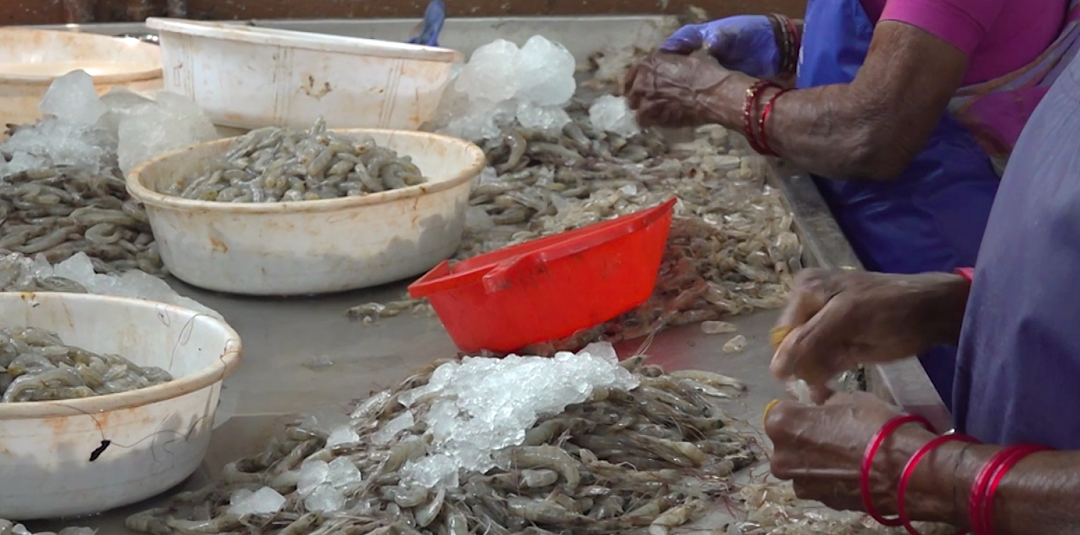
x=903 y=383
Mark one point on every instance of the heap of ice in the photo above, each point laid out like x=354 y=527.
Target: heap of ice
x=80 y=269
x=478 y=406
x=120 y=129
x=502 y=84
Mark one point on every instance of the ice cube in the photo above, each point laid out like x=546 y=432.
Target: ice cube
x=545 y=74
x=72 y=97
x=735 y=345
x=603 y=350
x=325 y=499
x=613 y=114
x=120 y=102
x=343 y=474
x=21 y=161
x=313 y=473
x=174 y=122
x=433 y=471
x=387 y=433
x=342 y=435
x=261 y=502
x=490 y=73
x=534 y=117
x=20 y=529
x=62 y=142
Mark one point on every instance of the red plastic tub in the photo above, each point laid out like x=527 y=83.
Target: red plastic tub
x=551 y=287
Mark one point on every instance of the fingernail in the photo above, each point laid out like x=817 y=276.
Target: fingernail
x=769 y=407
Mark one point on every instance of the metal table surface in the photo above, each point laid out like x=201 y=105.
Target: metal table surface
x=281 y=335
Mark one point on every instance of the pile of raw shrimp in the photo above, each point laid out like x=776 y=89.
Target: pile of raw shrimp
x=651 y=450
x=731 y=249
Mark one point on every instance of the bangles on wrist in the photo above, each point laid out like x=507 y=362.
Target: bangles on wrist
x=983 y=490
x=789 y=43
x=758 y=139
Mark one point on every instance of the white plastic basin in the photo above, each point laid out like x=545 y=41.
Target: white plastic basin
x=249 y=77
x=31 y=59
x=309 y=247
x=157 y=435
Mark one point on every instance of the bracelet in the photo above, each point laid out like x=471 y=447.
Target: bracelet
x=967 y=273
x=868 y=462
x=796 y=47
x=980 y=503
x=761 y=123
x=786 y=38
x=909 y=469
x=752 y=95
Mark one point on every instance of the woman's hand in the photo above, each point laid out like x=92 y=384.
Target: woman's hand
x=671 y=90
x=820 y=449
x=745 y=43
x=841 y=319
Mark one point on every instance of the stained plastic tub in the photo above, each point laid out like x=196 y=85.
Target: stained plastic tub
x=85 y=456
x=250 y=77
x=31 y=59
x=549 y=288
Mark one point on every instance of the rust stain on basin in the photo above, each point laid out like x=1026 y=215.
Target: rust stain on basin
x=218 y=245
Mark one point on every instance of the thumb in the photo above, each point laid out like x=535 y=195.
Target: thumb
x=809 y=352
x=685 y=40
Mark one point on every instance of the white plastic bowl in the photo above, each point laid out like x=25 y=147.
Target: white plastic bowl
x=249 y=77
x=309 y=247
x=157 y=436
x=31 y=59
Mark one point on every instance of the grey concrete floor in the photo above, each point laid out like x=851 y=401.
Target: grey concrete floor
x=279 y=336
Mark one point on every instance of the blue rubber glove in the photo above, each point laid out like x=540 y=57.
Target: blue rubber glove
x=434 y=16
x=744 y=43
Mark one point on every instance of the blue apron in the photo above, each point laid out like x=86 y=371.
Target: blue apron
x=931 y=218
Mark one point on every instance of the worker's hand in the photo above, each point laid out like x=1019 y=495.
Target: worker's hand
x=746 y=43
x=820 y=449
x=841 y=319
x=668 y=89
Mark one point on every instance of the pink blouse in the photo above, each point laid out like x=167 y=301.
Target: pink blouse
x=998 y=36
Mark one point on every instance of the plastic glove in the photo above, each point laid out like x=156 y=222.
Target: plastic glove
x=434 y=16
x=744 y=43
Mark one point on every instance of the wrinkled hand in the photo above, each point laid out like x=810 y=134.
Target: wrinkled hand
x=841 y=319
x=820 y=449
x=745 y=43
x=668 y=89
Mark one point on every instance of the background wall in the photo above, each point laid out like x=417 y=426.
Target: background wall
x=73 y=11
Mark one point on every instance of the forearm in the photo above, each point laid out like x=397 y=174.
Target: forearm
x=829 y=130
x=942 y=301
x=1036 y=497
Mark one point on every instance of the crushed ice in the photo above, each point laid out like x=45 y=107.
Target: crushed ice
x=80 y=269
x=503 y=83
x=478 y=406
x=101 y=133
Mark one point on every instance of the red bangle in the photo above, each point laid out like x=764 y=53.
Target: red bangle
x=909 y=469
x=752 y=95
x=868 y=462
x=796 y=46
x=981 y=502
x=761 y=123
x=967 y=273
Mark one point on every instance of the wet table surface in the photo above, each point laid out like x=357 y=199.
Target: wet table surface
x=280 y=336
